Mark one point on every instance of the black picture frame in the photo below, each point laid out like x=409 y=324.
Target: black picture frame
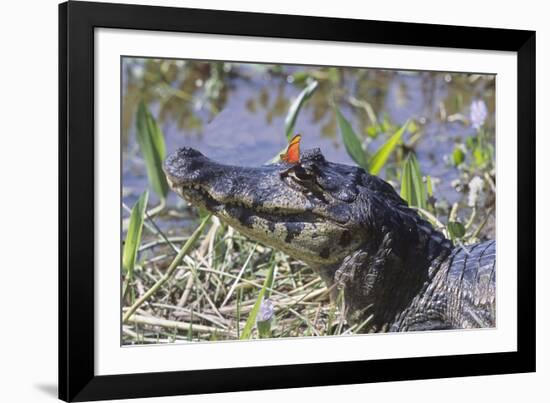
x=77 y=21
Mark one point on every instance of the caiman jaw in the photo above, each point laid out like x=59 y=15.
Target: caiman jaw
x=264 y=205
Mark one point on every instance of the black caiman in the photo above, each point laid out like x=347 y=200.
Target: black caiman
x=398 y=273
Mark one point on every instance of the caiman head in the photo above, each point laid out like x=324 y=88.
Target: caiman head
x=307 y=210
x=332 y=216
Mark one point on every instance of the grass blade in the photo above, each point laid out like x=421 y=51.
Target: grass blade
x=382 y=154
x=413 y=189
x=429 y=186
x=151 y=143
x=251 y=320
x=133 y=239
x=351 y=141
x=270 y=279
x=295 y=108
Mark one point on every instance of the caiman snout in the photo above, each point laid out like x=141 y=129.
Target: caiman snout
x=185 y=166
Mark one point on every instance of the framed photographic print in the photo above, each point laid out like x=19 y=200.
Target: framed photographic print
x=259 y=201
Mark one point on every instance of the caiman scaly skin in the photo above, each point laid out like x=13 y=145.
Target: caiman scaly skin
x=396 y=270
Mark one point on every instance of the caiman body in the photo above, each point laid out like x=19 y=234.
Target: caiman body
x=397 y=272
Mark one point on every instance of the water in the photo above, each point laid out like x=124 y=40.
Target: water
x=235 y=114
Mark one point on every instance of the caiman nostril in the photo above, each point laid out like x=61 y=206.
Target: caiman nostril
x=188 y=152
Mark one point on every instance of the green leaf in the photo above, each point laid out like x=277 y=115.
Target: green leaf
x=413 y=189
x=382 y=154
x=372 y=131
x=133 y=237
x=429 y=186
x=269 y=280
x=251 y=320
x=413 y=127
x=295 y=108
x=458 y=156
x=151 y=143
x=351 y=141
x=133 y=240
x=456 y=230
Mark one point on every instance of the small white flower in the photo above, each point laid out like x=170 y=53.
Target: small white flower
x=266 y=311
x=138 y=71
x=478 y=113
x=476 y=186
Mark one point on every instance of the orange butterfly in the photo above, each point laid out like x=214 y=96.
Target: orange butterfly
x=292 y=154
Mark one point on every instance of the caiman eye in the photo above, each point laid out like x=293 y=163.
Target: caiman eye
x=299 y=174
x=303 y=174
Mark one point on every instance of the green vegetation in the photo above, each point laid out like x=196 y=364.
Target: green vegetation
x=151 y=143
x=352 y=142
x=413 y=189
x=296 y=106
x=133 y=240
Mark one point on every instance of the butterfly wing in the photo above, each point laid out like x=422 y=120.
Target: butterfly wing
x=292 y=154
